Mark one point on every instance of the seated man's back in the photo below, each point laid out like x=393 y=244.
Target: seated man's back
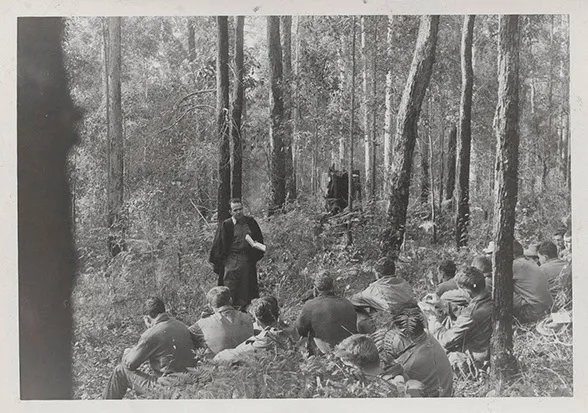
x=226 y=328
x=532 y=299
x=327 y=317
x=167 y=345
x=384 y=293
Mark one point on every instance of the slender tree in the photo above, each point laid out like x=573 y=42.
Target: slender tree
x=223 y=123
x=295 y=108
x=451 y=160
x=238 y=104
x=277 y=168
x=505 y=197
x=464 y=140
x=374 y=106
x=406 y=132
x=352 y=121
x=286 y=33
x=115 y=190
x=191 y=40
x=388 y=121
x=366 y=106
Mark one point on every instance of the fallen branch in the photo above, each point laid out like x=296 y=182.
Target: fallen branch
x=202 y=216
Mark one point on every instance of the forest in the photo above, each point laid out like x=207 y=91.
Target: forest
x=348 y=138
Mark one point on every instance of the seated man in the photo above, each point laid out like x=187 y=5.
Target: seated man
x=557 y=239
x=287 y=329
x=225 y=327
x=271 y=335
x=168 y=346
x=446 y=273
x=531 y=297
x=471 y=332
x=421 y=356
x=360 y=352
x=531 y=253
x=551 y=265
x=384 y=294
x=484 y=264
x=326 y=319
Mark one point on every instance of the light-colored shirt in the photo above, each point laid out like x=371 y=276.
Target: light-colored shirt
x=269 y=338
x=226 y=328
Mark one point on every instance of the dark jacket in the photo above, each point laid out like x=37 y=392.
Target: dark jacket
x=327 y=317
x=222 y=243
x=167 y=344
x=472 y=329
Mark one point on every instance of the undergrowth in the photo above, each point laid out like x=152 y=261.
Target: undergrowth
x=108 y=295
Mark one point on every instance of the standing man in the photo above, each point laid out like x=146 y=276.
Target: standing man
x=237 y=246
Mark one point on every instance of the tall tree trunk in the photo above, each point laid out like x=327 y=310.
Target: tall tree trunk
x=465 y=134
x=432 y=183
x=366 y=106
x=341 y=66
x=406 y=133
x=46 y=262
x=442 y=146
x=278 y=173
x=546 y=152
x=223 y=124
x=191 y=40
x=424 y=157
x=351 y=126
x=372 y=189
x=238 y=104
x=451 y=162
x=115 y=197
x=286 y=33
x=507 y=154
x=296 y=111
x=388 y=117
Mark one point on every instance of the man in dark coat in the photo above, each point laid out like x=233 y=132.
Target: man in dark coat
x=237 y=246
x=326 y=319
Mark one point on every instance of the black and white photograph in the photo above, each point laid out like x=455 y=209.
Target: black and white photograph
x=368 y=205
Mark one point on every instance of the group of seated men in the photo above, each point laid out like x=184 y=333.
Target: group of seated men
x=416 y=349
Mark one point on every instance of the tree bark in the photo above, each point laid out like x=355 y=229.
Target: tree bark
x=406 y=133
x=295 y=110
x=451 y=162
x=388 y=117
x=286 y=33
x=46 y=133
x=278 y=173
x=223 y=124
x=424 y=157
x=351 y=128
x=238 y=104
x=465 y=134
x=507 y=152
x=374 y=106
x=115 y=197
x=191 y=40
x=340 y=164
x=366 y=107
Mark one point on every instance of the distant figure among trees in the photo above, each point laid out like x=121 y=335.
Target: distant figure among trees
x=237 y=246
